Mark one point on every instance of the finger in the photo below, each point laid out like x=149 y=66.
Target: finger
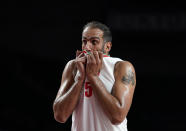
x=100 y=55
x=81 y=55
x=82 y=59
x=92 y=58
x=96 y=56
x=88 y=59
x=78 y=53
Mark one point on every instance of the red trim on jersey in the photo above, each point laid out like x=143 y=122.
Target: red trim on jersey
x=106 y=55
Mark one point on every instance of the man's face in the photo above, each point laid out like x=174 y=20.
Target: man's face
x=92 y=39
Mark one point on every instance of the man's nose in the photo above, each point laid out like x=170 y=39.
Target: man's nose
x=88 y=46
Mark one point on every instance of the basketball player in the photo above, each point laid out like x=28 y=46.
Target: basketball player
x=96 y=89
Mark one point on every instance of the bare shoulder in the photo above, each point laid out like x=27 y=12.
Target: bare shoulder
x=70 y=68
x=123 y=65
x=71 y=63
x=124 y=70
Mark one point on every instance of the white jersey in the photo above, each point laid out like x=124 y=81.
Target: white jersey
x=89 y=115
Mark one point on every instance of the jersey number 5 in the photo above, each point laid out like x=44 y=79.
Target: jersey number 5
x=88 y=89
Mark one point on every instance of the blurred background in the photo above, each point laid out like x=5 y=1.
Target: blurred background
x=39 y=37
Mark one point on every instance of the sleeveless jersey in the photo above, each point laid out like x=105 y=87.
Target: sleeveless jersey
x=88 y=114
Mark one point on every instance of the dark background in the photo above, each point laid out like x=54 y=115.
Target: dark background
x=39 y=37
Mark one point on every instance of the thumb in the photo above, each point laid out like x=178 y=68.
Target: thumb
x=78 y=53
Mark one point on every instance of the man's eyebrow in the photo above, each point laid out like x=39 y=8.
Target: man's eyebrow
x=91 y=37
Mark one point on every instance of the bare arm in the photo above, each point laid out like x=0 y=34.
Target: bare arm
x=117 y=104
x=68 y=94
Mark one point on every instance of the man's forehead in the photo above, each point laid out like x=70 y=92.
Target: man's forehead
x=92 y=33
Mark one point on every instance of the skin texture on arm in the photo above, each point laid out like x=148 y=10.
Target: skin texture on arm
x=117 y=104
x=69 y=92
x=124 y=86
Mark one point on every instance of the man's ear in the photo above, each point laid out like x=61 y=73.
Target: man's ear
x=108 y=46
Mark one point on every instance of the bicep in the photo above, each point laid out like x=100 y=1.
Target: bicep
x=125 y=81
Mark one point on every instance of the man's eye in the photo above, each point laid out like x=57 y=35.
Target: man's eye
x=84 y=41
x=94 y=42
